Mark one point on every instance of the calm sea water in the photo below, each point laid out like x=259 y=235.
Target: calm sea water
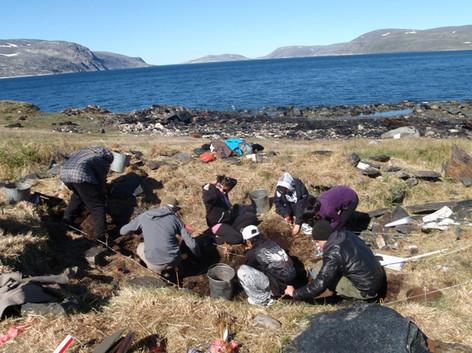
x=257 y=84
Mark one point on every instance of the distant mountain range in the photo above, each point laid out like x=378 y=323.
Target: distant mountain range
x=32 y=57
x=375 y=42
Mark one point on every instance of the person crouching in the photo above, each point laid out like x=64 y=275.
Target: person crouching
x=160 y=250
x=267 y=270
x=349 y=268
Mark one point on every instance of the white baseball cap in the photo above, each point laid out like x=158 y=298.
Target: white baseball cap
x=250 y=232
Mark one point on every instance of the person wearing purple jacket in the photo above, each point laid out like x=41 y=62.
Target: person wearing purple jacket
x=336 y=205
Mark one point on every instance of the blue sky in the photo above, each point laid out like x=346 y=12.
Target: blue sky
x=173 y=31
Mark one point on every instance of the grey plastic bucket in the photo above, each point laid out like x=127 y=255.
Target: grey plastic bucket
x=16 y=192
x=120 y=161
x=260 y=200
x=220 y=277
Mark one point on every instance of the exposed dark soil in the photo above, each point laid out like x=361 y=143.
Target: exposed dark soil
x=119 y=263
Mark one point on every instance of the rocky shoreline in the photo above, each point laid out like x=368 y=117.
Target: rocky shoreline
x=432 y=119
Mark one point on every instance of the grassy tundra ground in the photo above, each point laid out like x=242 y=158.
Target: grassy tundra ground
x=186 y=320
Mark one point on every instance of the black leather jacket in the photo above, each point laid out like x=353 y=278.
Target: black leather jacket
x=345 y=254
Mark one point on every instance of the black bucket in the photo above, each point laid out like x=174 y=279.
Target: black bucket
x=220 y=277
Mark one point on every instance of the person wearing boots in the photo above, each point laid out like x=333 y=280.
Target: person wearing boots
x=268 y=268
x=225 y=220
x=160 y=250
x=289 y=200
x=349 y=267
x=85 y=173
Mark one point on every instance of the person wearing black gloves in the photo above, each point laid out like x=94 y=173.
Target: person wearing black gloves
x=349 y=268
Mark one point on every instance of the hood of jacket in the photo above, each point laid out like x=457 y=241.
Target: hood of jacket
x=159 y=212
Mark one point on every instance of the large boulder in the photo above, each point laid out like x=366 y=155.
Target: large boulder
x=458 y=168
x=404 y=131
x=363 y=328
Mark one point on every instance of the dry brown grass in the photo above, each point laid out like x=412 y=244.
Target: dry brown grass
x=186 y=320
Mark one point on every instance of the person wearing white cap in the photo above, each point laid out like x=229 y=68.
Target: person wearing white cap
x=268 y=268
x=160 y=250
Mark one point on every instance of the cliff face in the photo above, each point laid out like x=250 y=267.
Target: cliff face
x=30 y=57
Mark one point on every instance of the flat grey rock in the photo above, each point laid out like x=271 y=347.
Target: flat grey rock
x=401 y=132
x=92 y=255
x=265 y=321
x=146 y=282
x=430 y=207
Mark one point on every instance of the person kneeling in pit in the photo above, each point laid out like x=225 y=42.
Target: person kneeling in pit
x=349 y=268
x=160 y=250
x=268 y=268
x=289 y=200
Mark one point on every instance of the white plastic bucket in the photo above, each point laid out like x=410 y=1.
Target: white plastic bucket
x=120 y=161
x=16 y=192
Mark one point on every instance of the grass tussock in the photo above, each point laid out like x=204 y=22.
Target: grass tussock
x=185 y=320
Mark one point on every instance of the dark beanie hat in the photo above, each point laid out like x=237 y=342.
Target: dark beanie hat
x=321 y=230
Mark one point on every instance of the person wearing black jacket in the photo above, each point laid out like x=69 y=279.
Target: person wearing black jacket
x=289 y=199
x=268 y=268
x=225 y=220
x=349 y=268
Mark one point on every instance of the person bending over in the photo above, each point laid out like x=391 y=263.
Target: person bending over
x=225 y=220
x=349 y=267
x=85 y=173
x=267 y=270
x=336 y=205
x=289 y=199
x=160 y=250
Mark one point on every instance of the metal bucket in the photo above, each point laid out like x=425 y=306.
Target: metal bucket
x=120 y=161
x=220 y=277
x=260 y=200
x=16 y=192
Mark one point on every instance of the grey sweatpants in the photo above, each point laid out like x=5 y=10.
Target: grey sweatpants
x=256 y=285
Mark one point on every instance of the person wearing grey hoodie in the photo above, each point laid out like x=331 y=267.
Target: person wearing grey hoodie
x=85 y=173
x=160 y=250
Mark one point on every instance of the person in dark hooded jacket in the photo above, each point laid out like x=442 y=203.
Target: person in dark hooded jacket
x=85 y=173
x=268 y=268
x=225 y=221
x=160 y=250
x=349 y=268
x=289 y=200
